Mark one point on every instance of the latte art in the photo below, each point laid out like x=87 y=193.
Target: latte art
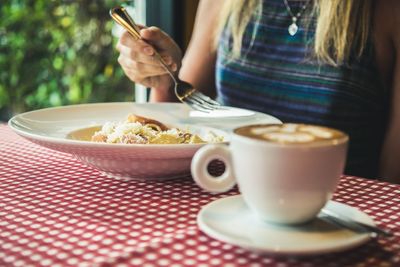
x=291 y=133
x=289 y=137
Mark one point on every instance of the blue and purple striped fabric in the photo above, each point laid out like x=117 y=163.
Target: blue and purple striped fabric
x=278 y=75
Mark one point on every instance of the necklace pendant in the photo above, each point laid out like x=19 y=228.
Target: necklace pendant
x=293 y=28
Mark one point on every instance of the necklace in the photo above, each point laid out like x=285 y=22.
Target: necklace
x=293 y=28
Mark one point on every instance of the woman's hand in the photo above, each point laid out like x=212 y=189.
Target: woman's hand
x=139 y=64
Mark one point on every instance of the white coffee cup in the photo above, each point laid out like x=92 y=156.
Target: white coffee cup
x=285 y=173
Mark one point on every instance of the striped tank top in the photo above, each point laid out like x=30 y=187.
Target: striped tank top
x=277 y=75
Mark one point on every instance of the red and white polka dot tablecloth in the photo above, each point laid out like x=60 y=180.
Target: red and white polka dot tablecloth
x=55 y=211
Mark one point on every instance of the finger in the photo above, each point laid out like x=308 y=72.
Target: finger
x=140 y=69
x=151 y=81
x=134 y=50
x=127 y=40
x=156 y=37
x=143 y=58
x=152 y=33
x=140 y=51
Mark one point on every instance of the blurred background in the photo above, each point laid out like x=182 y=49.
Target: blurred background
x=56 y=53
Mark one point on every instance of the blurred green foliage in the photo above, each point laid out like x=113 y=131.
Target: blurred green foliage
x=58 y=53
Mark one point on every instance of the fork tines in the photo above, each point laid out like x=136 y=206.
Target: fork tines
x=201 y=102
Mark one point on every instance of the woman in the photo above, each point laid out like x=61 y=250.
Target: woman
x=327 y=62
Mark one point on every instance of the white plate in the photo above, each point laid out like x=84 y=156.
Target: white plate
x=229 y=220
x=50 y=128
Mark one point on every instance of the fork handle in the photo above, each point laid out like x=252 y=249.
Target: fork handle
x=121 y=16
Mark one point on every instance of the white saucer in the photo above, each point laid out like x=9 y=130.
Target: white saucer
x=229 y=220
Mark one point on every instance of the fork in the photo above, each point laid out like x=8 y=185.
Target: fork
x=184 y=91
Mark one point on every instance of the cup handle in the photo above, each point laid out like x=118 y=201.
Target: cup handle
x=200 y=173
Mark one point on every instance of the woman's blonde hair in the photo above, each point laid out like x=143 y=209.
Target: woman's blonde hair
x=342 y=28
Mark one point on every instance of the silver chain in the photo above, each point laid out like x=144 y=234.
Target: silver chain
x=298 y=14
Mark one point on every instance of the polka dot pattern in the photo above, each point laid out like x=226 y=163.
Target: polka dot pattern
x=55 y=211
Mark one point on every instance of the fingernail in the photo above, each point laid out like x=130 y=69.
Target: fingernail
x=148 y=50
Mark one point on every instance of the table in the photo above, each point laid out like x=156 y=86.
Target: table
x=55 y=211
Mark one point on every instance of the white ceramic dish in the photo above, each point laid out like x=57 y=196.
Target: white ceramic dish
x=50 y=128
x=230 y=220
